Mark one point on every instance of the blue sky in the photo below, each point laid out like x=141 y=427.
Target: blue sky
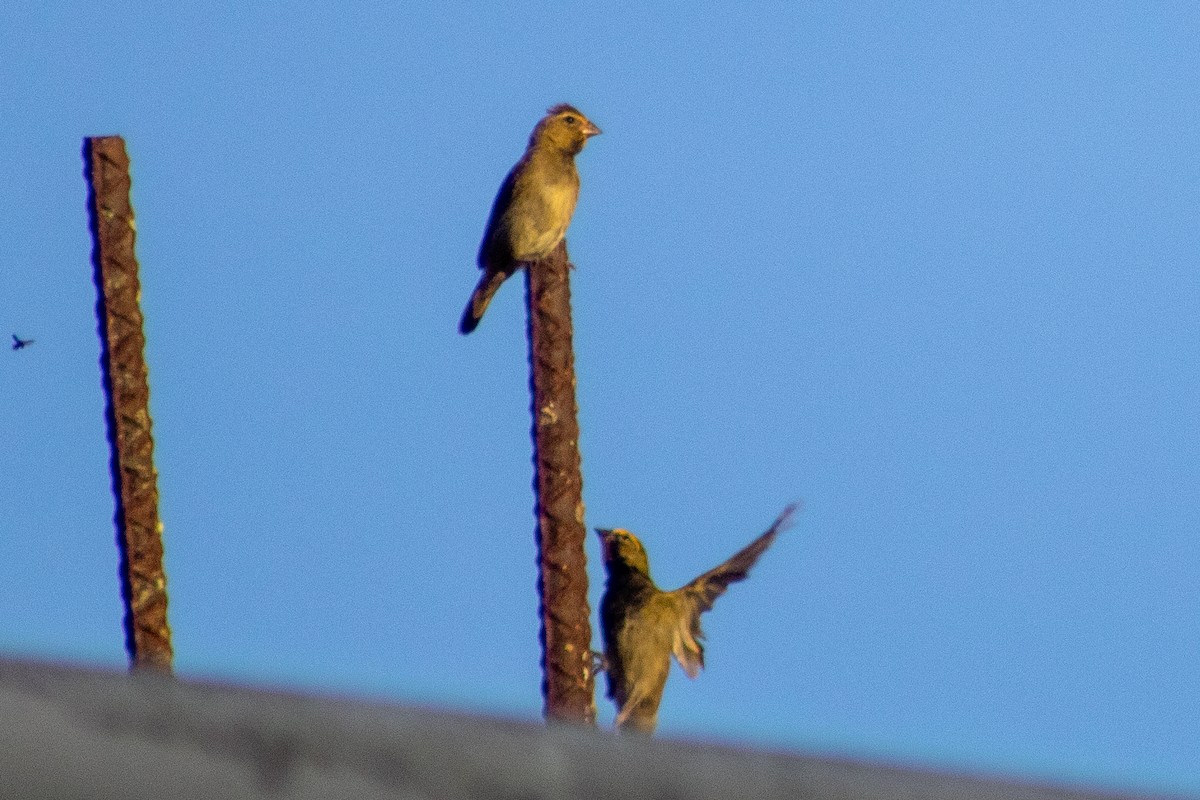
x=929 y=269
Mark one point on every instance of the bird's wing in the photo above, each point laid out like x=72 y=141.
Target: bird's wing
x=712 y=584
x=699 y=595
x=495 y=251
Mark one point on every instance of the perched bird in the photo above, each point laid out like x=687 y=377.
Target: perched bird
x=19 y=343
x=643 y=625
x=533 y=208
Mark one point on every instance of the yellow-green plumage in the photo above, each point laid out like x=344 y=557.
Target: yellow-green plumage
x=643 y=626
x=533 y=208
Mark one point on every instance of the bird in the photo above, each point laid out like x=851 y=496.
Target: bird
x=533 y=207
x=643 y=625
x=21 y=344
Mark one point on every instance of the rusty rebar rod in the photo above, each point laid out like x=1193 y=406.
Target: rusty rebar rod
x=568 y=682
x=127 y=407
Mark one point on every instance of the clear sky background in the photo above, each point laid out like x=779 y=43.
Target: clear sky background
x=930 y=270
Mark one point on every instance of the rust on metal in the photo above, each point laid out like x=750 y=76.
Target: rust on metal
x=127 y=408
x=568 y=681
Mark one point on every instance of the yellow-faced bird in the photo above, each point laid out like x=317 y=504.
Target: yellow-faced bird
x=533 y=207
x=643 y=625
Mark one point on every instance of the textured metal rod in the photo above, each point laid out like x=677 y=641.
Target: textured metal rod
x=568 y=682
x=127 y=407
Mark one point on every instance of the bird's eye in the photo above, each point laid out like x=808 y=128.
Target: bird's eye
x=570 y=120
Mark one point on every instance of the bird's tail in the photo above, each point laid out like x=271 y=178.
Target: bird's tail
x=637 y=720
x=489 y=283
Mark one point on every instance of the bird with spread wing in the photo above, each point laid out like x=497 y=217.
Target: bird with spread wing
x=643 y=626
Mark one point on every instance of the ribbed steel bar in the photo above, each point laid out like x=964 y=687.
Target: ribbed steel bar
x=123 y=367
x=568 y=680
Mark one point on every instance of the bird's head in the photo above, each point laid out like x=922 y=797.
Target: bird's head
x=563 y=128
x=623 y=552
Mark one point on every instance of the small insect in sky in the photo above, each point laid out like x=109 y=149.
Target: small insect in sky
x=19 y=343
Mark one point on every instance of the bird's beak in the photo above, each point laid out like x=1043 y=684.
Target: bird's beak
x=591 y=130
x=606 y=537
